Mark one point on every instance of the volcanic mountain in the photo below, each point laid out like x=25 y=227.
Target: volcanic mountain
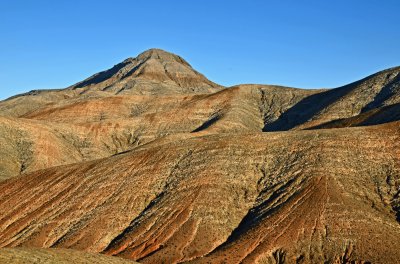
x=152 y=72
x=152 y=162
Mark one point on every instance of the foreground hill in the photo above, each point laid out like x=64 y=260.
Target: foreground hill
x=151 y=161
x=55 y=256
x=316 y=196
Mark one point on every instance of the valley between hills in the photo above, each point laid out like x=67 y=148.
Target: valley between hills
x=151 y=162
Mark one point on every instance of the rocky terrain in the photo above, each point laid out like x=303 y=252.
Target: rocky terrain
x=55 y=256
x=150 y=161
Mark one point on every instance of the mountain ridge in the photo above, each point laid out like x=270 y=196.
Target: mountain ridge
x=152 y=162
x=151 y=65
x=163 y=56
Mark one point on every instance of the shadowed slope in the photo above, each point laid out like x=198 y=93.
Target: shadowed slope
x=375 y=116
x=379 y=89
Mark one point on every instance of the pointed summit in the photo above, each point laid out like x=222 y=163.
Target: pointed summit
x=161 y=55
x=154 y=71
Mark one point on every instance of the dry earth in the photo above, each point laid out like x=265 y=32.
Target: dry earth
x=55 y=256
x=151 y=161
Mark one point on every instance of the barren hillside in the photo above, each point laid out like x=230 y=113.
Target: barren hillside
x=150 y=161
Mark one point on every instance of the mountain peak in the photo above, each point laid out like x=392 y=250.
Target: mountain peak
x=161 y=55
x=154 y=71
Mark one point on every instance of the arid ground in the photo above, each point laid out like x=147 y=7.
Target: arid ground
x=150 y=161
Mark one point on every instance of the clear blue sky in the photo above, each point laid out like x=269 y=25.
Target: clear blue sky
x=310 y=43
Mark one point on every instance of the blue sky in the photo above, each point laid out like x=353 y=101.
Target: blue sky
x=309 y=43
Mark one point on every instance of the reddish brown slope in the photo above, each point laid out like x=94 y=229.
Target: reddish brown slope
x=196 y=180
x=99 y=127
x=55 y=256
x=313 y=195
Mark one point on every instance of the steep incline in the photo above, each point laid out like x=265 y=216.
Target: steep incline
x=380 y=115
x=380 y=89
x=153 y=72
x=314 y=196
x=41 y=129
x=151 y=161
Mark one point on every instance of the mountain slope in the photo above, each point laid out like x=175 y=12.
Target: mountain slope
x=101 y=123
x=92 y=128
x=380 y=89
x=150 y=161
x=55 y=256
x=214 y=197
x=380 y=115
x=152 y=72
